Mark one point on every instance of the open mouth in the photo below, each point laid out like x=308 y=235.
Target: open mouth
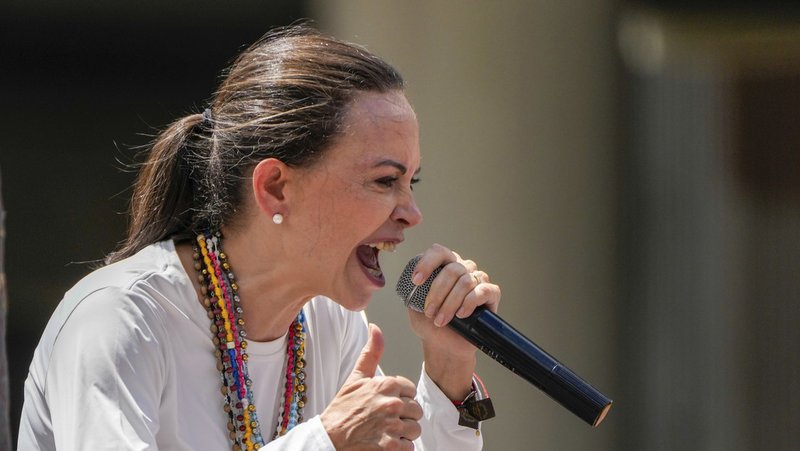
x=368 y=257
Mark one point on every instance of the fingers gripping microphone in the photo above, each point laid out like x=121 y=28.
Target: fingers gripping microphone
x=495 y=337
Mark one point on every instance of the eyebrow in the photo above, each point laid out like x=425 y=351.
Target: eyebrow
x=400 y=166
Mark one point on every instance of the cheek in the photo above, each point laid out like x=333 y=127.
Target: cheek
x=371 y=209
x=338 y=218
x=348 y=213
x=357 y=220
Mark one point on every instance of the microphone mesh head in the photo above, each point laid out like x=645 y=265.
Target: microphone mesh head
x=413 y=296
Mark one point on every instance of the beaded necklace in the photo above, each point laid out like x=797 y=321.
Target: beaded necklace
x=221 y=299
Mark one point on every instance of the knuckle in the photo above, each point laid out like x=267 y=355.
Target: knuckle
x=416 y=411
x=395 y=428
x=384 y=384
x=453 y=269
x=415 y=431
x=487 y=290
x=354 y=385
x=399 y=444
x=496 y=290
x=393 y=406
x=471 y=301
x=404 y=381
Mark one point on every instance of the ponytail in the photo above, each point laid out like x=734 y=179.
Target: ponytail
x=162 y=200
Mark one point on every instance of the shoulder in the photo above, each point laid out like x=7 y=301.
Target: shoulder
x=109 y=328
x=116 y=303
x=113 y=312
x=120 y=287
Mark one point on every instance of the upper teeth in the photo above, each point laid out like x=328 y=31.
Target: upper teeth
x=384 y=246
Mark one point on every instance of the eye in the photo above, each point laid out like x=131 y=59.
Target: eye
x=388 y=182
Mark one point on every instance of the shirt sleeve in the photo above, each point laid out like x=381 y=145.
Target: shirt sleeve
x=106 y=374
x=440 y=428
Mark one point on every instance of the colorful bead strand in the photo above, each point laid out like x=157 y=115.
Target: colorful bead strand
x=228 y=327
x=295 y=393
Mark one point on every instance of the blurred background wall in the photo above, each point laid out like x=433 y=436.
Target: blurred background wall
x=627 y=171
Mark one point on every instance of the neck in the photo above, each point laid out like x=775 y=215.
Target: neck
x=269 y=301
x=269 y=298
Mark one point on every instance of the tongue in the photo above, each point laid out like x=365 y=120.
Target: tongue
x=368 y=257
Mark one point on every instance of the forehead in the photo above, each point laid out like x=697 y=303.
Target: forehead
x=379 y=126
x=390 y=106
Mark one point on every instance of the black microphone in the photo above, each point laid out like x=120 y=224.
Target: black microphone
x=495 y=337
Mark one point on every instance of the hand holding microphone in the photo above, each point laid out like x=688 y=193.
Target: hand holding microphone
x=457 y=290
x=498 y=339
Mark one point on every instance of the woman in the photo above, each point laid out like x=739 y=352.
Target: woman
x=228 y=318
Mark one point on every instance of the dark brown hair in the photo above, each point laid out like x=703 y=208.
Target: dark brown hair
x=284 y=97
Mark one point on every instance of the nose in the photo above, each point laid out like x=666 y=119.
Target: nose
x=407 y=212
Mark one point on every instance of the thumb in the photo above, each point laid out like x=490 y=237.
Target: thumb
x=367 y=362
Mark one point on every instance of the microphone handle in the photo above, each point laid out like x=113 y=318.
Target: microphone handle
x=500 y=341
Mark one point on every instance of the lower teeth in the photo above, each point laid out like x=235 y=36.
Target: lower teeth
x=375 y=272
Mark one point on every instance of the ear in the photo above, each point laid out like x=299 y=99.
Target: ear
x=269 y=185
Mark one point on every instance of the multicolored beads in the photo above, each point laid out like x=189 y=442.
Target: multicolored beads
x=222 y=301
x=295 y=394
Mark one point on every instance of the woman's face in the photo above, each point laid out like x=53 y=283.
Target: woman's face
x=358 y=200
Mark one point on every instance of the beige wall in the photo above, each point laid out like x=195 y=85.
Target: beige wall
x=517 y=107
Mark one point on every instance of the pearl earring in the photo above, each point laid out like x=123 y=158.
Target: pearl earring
x=277 y=218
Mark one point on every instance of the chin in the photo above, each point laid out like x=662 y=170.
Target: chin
x=346 y=296
x=355 y=305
